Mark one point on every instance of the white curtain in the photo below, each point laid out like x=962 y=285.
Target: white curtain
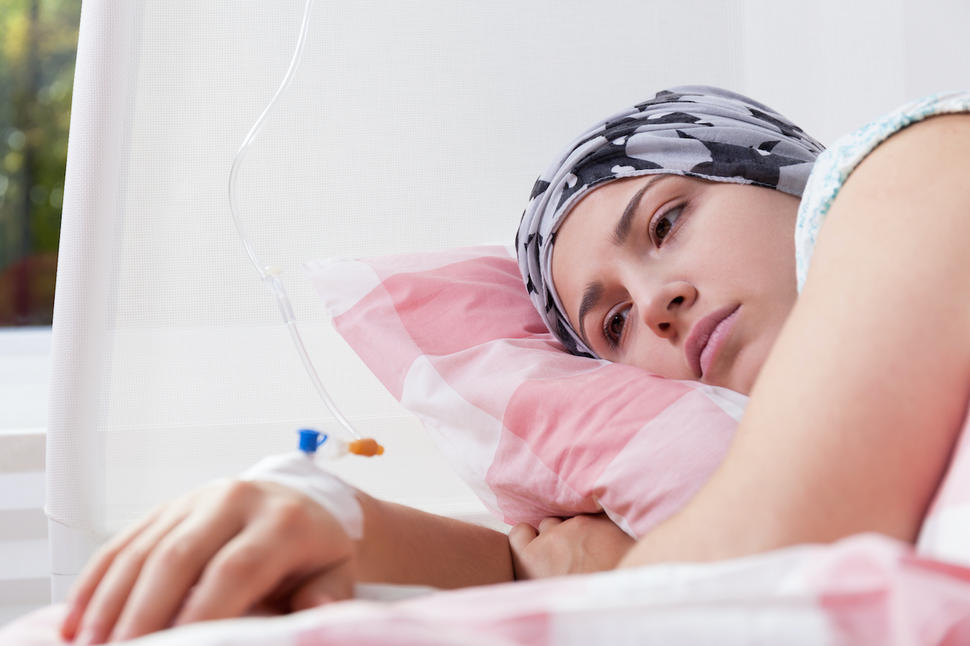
x=410 y=125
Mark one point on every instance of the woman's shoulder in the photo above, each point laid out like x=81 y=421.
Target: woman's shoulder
x=837 y=163
x=926 y=147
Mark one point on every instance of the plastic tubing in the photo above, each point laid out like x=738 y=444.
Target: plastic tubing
x=268 y=274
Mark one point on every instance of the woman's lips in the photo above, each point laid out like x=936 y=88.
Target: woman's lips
x=707 y=337
x=714 y=343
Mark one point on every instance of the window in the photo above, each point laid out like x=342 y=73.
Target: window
x=38 y=42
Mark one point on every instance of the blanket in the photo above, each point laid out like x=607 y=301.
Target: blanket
x=863 y=590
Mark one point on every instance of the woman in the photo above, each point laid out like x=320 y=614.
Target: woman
x=677 y=258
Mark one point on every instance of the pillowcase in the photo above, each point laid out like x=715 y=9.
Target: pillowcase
x=534 y=431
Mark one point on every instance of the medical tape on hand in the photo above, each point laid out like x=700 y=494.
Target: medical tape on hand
x=300 y=472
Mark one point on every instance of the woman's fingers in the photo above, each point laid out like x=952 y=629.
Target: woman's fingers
x=254 y=565
x=520 y=536
x=335 y=584
x=178 y=559
x=108 y=598
x=580 y=544
x=549 y=523
x=94 y=571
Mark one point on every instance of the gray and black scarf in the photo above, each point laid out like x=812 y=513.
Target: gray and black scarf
x=693 y=130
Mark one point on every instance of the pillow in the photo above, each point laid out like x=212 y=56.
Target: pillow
x=535 y=432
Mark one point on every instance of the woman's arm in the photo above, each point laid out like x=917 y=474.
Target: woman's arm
x=405 y=545
x=853 y=417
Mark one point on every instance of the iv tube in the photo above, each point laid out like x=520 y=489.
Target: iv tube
x=266 y=273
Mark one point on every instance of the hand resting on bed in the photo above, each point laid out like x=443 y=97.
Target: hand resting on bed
x=236 y=547
x=217 y=552
x=577 y=545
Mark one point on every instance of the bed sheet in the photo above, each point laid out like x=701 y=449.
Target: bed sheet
x=865 y=589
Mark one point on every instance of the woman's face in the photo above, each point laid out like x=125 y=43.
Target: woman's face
x=685 y=278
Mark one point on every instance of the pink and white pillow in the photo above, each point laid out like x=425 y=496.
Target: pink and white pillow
x=536 y=432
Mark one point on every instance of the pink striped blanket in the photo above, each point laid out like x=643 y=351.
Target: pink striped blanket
x=862 y=590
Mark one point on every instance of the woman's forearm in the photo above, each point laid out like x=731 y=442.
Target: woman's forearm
x=853 y=417
x=404 y=545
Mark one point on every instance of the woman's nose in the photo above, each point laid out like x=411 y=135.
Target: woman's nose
x=663 y=309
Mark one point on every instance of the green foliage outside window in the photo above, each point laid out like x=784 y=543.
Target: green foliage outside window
x=38 y=42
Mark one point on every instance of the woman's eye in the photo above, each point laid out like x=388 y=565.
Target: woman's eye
x=664 y=223
x=613 y=329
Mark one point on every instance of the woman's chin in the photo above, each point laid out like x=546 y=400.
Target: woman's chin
x=738 y=376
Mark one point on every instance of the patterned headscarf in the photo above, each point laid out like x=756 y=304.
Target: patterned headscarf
x=693 y=130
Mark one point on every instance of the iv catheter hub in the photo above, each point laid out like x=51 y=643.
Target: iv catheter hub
x=311 y=440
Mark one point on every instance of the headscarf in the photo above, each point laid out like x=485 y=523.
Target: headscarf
x=692 y=130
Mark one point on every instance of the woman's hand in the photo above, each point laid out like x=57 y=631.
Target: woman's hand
x=577 y=545
x=218 y=552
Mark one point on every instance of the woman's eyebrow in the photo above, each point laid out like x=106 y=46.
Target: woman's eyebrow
x=625 y=223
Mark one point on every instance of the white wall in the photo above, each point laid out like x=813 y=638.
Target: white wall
x=832 y=65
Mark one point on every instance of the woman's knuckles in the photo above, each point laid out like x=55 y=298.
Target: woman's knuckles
x=293 y=523
x=174 y=554
x=236 y=494
x=290 y=516
x=131 y=559
x=241 y=563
